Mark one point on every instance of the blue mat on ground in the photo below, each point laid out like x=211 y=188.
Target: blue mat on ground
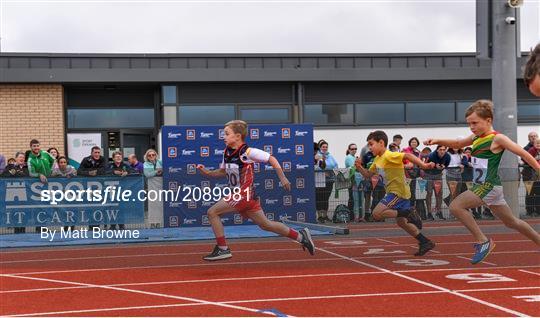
x=146 y=235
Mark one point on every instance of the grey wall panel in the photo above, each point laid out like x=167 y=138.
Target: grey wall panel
x=120 y=63
x=178 y=62
x=19 y=62
x=159 y=63
x=99 y=97
x=190 y=93
x=216 y=63
x=140 y=63
x=39 y=62
x=60 y=63
x=80 y=63
x=100 y=63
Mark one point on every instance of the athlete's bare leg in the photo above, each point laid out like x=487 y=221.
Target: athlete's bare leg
x=408 y=227
x=264 y=223
x=459 y=208
x=214 y=213
x=504 y=213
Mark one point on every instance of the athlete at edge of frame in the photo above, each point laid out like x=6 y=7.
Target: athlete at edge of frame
x=487 y=150
x=396 y=203
x=237 y=166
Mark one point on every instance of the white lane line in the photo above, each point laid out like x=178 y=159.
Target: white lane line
x=529 y=272
x=484 y=262
x=195 y=300
x=387 y=241
x=483 y=302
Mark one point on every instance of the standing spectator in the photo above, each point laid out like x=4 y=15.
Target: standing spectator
x=434 y=180
x=532 y=136
x=11 y=161
x=323 y=194
x=2 y=163
x=393 y=147
x=93 y=165
x=412 y=171
x=120 y=169
x=373 y=188
x=364 y=150
x=63 y=169
x=135 y=164
x=535 y=150
x=17 y=169
x=39 y=162
x=424 y=155
x=453 y=173
x=54 y=153
x=531 y=75
x=355 y=199
x=152 y=165
x=397 y=140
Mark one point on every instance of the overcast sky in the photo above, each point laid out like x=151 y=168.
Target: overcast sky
x=269 y=26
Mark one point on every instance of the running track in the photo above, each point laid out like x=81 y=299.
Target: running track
x=369 y=273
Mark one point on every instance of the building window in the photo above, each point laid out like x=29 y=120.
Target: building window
x=265 y=114
x=205 y=114
x=461 y=109
x=528 y=111
x=110 y=118
x=169 y=95
x=431 y=113
x=329 y=114
x=380 y=113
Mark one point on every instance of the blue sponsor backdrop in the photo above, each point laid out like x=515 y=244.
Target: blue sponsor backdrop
x=21 y=205
x=186 y=146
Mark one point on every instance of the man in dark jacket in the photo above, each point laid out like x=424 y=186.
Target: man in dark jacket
x=17 y=169
x=93 y=165
x=434 y=180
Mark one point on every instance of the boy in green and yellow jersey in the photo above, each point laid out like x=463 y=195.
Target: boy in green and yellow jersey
x=389 y=165
x=488 y=147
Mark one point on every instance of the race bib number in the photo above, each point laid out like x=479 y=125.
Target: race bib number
x=233 y=174
x=480 y=167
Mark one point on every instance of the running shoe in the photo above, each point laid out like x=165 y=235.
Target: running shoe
x=307 y=241
x=218 y=254
x=423 y=248
x=482 y=250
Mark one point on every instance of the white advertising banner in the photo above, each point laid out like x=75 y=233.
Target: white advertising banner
x=80 y=146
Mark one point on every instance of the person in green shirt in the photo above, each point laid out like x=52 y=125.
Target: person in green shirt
x=39 y=162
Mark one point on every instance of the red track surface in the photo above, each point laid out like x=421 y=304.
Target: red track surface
x=348 y=276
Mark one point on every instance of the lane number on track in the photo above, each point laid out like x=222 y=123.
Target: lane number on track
x=421 y=262
x=473 y=278
x=529 y=298
x=349 y=242
x=379 y=251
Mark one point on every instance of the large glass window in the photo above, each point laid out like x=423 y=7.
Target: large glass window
x=262 y=114
x=460 y=111
x=169 y=94
x=111 y=118
x=329 y=114
x=205 y=114
x=380 y=113
x=528 y=111
x=431 y=113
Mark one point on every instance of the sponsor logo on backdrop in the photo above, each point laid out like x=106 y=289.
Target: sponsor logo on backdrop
x=188 y=152
x=302 y=200
x=268 y=167
x=287 y=200
x=270 y=201
x=300 y=183
x=299 y=150
x=257 y=167
x=205 y=151
x=192 y=204
x=175 y=204
x=254 y=133
x=190 y=134
x=172 y=152
x=221 y=134
x=287 y=166
x=268 y=184
x=204 y=220
x=207 y=203
x=300 y=133
x=270 y=216
x=285 y=133
x=171 y=135
x=268 y=148
x=173 y=170
x=224 y=220
x=283 y=150
x=173 y=221
x=270 y=133
x=301 y=216
x=173 y=185
x=205 y=184
x=191 y=169
x=238 y=219
x=219 y=152
x=206 y=135
x=189 y=221
x=301 y=167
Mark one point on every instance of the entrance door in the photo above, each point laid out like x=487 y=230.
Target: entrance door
x=136 y=142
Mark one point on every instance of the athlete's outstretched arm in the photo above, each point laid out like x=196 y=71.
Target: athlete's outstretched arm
x=507 y=143
x=414 y=159
x=277 y=167
x=452 y=143
x=218 y=173
x=363 y=171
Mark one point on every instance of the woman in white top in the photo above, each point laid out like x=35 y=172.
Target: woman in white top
x=454 y=171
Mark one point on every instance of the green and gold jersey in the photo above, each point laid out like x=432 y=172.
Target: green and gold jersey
x=485 y=162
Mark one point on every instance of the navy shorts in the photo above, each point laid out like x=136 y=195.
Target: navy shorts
x=394 y=202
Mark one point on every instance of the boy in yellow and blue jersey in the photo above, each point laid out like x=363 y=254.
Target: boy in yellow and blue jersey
x=396 y=204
